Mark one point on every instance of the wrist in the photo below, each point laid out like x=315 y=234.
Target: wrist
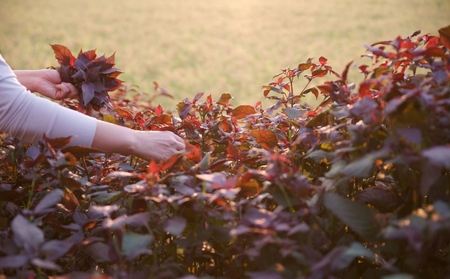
x=36 y=77
x=131 y=142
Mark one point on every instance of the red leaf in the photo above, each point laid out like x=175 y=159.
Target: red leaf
x=314 y=91
x=232 y=151
x=169 y=163
x=445 y=36
x=124 y=113
x=57 y=143
x=323 y=60
x=90 y=54
x=408 y=44
x=242 y=111
x=380 y=52
x=193 y=153
x=363 y=69
x=311 y=113
x=319 y=73
x=110 y=60
x=160 y=90
x=432 y=41
x=364 y=89
x=153 y=168
x=266 y=138
x=224 y=99
x=158 y=110
x=225 y=126
x=345 y=72
x=326 y=88
x=162 y=119
x=305 y=66
x=63 y=55
x=434 y=52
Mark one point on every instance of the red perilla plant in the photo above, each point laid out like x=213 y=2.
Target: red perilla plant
x=93 y=76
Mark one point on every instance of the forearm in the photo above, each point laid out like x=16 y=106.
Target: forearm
x=113 y=138
x=148 y=145
x=28 y=117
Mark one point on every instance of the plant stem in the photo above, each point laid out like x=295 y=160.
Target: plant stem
x=30 y=196
x=288 y=201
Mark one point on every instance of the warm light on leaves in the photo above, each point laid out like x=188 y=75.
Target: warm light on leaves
x=242 y=111
x=193 y=153
x=445 y=36
x=224 y=99
x=322 y=60
x=266 y=138
x=319 y=73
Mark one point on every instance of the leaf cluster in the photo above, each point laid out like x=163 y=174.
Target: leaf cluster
x=93 y=76
x=358 y=187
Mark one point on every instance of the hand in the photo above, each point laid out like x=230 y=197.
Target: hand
x=158 y=145
x=48 y=83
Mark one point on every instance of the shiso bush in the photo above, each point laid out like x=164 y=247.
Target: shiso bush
x=357 y=187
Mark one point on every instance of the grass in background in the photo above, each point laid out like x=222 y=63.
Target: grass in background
x=219 y=46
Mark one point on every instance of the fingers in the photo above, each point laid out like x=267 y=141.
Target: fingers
x=179 y=144
x=73 y=92
x=174 y=145
x=65 y=90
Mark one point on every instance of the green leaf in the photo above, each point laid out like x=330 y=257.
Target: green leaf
x=26 y=232
x=46 y=264
x=358 y=217
x=109 y=197
x=319 y=155
x=50 y=200
x=355 y=250
x=99 y=252
x=362 y=167
x=135 y=244
x=438 y=156
x=54 y=249
x=293 y=113
x=442 y=208
x=399 y=276
x=15 y=261
x=175 y=226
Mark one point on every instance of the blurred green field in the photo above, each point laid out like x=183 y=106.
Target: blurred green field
x=218 y=46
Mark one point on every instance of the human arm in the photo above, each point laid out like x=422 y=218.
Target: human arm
x=148 y=145
x=46 y=82
x=28 y=117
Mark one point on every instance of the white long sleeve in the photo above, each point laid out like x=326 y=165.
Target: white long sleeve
x=28 y=117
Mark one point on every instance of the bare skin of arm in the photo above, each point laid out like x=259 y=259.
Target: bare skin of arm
x=110 y=138
x=156 y=145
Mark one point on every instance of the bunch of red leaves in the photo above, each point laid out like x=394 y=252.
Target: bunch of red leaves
x=92 y=76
